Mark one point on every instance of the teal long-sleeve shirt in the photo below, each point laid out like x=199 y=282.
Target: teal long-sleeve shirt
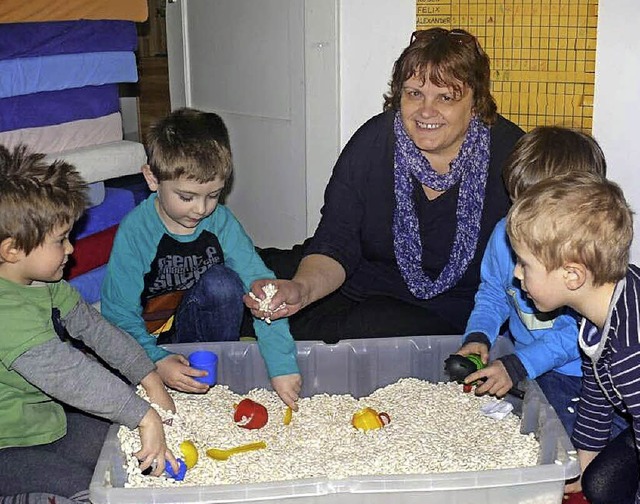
x=135 y=254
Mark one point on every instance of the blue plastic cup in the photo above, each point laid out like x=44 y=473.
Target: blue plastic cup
x=206 y=361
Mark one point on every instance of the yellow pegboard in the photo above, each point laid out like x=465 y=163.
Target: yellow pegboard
x=542 y=54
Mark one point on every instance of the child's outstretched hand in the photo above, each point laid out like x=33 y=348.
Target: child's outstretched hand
x=288 y=388
x=176 y=373
x=154 y=446
x=497 y=382
x=475 y=348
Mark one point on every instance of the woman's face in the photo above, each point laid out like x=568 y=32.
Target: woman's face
x=436 y=118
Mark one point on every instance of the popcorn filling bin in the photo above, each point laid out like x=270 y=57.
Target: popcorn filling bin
x=358 y=367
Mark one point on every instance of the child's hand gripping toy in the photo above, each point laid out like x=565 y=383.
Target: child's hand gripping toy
x=190 y=453
x=182 y=470
x=178 y=476
x=458 y=367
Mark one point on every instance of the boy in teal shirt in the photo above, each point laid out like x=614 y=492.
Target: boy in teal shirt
x=181 y=262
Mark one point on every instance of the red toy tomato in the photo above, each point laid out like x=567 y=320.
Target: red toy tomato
x=250 y=415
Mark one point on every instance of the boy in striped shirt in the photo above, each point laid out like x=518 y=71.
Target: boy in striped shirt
x=571 y=235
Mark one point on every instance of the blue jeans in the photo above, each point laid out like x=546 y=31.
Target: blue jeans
x=212 y=309
x=561 y=392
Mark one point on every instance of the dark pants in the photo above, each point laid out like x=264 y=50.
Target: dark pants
x=211 y=310
x=64 y=467
x=562 y=391
x=337 y=317
x=613 y=476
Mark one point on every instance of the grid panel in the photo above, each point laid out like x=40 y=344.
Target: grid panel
x=542 y=54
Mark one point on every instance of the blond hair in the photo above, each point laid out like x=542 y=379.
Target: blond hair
x=547 y=151
x=577 y=217
x=189 y=143
x=36 y=197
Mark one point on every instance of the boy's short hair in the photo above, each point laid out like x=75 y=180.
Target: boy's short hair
x=577 y=217
x=189 y=143
x=36 y=196
x=547 y=151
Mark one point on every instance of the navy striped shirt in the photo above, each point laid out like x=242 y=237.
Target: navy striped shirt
x=611 y=372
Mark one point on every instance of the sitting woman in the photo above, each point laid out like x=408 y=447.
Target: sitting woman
x=411 y=203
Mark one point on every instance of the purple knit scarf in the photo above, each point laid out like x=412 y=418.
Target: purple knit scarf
x=470 y=167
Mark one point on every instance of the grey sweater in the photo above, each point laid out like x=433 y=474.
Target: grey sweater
x=72 y=377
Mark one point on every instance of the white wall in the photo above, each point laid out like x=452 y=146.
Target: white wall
x=616 y=111
x=245 y=60
x=373 y=33
x=322 y=114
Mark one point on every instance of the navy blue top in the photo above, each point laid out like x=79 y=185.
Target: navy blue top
x=356 y=224
x=611 y=368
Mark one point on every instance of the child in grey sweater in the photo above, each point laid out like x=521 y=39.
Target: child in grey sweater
x=52 y=395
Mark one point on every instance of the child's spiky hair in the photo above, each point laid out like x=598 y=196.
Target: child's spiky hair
x=36 y=196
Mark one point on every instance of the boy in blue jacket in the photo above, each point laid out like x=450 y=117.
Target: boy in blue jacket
x=546 y=346
x=181 y=262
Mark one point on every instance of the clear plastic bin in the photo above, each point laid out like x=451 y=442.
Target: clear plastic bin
x=359 y=367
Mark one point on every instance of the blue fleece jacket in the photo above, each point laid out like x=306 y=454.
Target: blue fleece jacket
x=543 y=341
x=134 y=258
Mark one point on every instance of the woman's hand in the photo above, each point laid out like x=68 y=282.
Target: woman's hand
x=317 y=276
x=285 y=302
x=157 y=392
x=154 y=446
x=288 y=388
x=176 y=373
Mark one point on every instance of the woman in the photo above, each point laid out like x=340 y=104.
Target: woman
x=409 y=207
